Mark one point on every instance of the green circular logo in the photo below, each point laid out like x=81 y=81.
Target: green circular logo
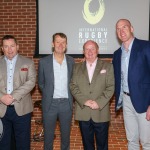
x=93 y=17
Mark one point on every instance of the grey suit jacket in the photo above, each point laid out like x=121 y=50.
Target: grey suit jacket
x=46 y=80
x=100 y=89
x=23 y=82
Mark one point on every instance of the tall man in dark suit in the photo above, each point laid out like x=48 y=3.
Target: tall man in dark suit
x=54 y=76
x=92 y=86
x=132 y=85
x=17 y=79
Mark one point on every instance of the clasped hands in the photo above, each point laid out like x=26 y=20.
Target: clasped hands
x=92 y=104
x=7 y=99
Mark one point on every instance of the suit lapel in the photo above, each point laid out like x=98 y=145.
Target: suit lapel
x=50 y=66
x=119 y=61
x=68 y=67
x=4 y=67
x=85 y=72
x=17 y=69
x=18 y=65
x=133 y=55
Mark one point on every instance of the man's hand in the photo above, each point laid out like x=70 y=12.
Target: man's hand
x=88 y=103
x=92 y=104
x=7 y=99
x=148 y=114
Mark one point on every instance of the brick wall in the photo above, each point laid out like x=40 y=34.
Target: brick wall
x=18 y=17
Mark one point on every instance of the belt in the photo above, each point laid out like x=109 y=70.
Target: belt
x=126 y=93
x=10 y=106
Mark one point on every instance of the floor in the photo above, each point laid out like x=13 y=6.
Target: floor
x=117 y=139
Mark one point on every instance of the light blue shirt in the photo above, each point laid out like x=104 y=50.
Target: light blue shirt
x=125 y=57
x=10 y=73
x=60 y=79
x=124 y=66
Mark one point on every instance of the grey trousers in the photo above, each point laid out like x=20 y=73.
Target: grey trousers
x=59 y=110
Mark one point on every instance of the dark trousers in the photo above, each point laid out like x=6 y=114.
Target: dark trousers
x=89 y=129
x=59 y=109
x=13 y=141
x=20 y=125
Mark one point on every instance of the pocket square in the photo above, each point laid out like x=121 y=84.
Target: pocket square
x=24 y=69
x=102 y=71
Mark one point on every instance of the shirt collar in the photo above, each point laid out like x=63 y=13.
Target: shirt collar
x=94 y=63
x=130 y=46
x=13 y=59
x=64 y=60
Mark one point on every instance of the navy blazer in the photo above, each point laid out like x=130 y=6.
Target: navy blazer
x=138 y=75
x=46 y=80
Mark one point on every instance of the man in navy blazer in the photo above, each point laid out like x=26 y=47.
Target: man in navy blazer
x=132 y=85
x=54 y=75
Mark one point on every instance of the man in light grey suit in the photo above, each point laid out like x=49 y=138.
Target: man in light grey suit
x=17 y=79
x=92 y=86
x=54 y=75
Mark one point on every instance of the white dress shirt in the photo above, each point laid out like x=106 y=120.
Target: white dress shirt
x=10 y=73
x=60 y=79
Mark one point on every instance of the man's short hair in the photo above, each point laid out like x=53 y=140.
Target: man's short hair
x=62 y=35
x=7 y=37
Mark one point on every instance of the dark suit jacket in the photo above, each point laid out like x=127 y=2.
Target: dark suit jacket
x=23 y=82
x=100 y=89
x=138 y=74
x=46 y=80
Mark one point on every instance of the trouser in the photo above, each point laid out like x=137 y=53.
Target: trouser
x=21 y=126
x=89 y=130
x=59 y=109
x=136 y=126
